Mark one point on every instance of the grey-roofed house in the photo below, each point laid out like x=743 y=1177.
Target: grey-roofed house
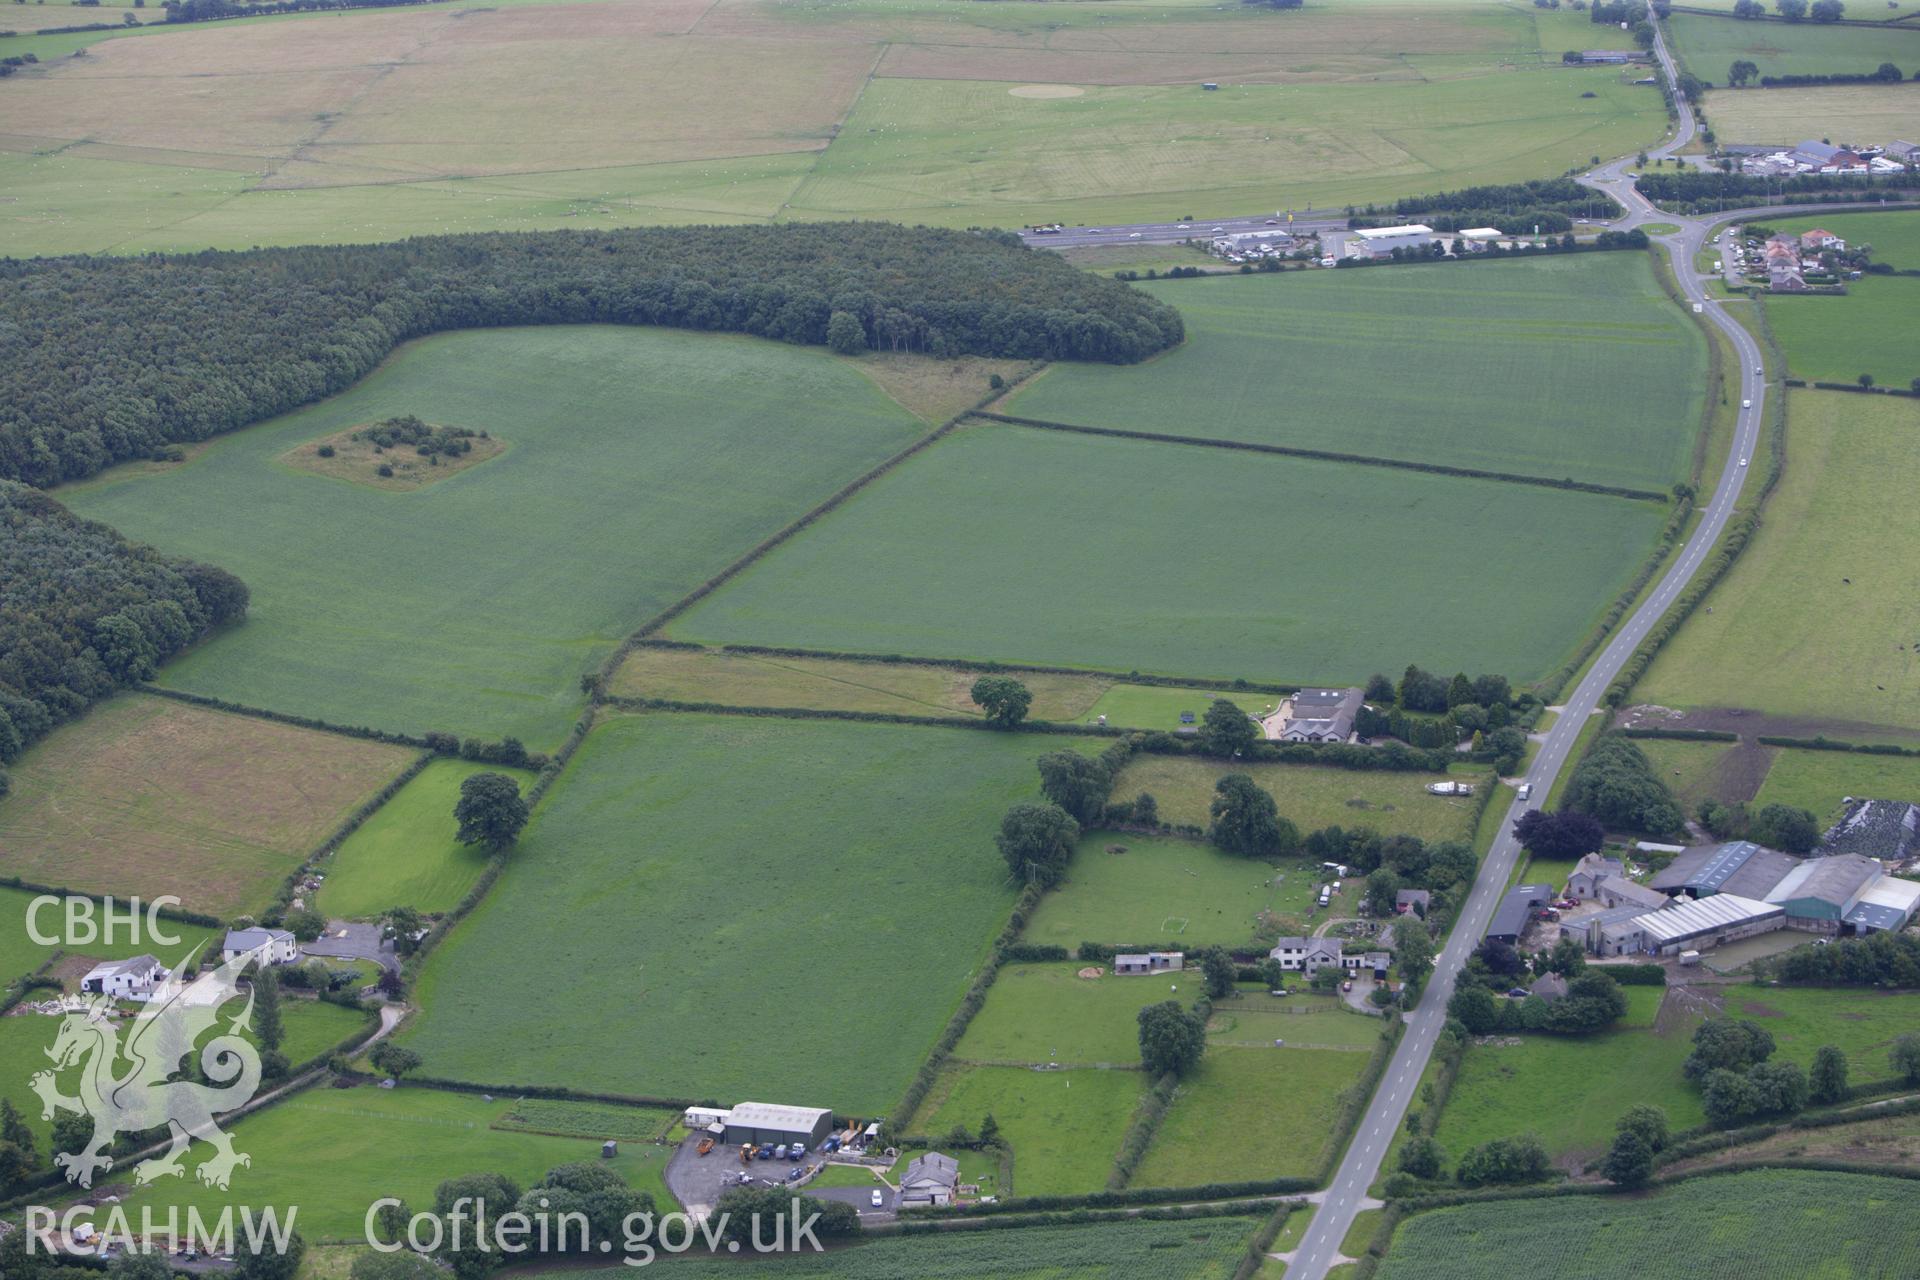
x=1887 y=829
x=1510 y=918
x=1414 y=901
x=1316 y=715
x=1306 y=955
x=268 y=946
x=1738 y=867
x=1818 y=894
x=1583 y=883
x=930 y=1179
x=1549 y=987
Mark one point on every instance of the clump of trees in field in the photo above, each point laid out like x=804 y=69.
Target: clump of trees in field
x=1778 y=826
x=1617 y=784
x=105 y=359
x=427 y=441
x=83 y=612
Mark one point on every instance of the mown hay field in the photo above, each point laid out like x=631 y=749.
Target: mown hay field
x=825 y=890
x=1815 y=618
x=1017 y=545
x=406 y=855
x=1708 y=46
x=1041 y=1013
x=146 y=796
x=641 y=461
x=1247 y=1114
x=1310 y=796
x=1065 y=1127
x=1862 y=114
x=1574 y=367
x=1774 y=1224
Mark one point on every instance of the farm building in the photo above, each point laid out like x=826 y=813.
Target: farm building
x=704 y=1117
x=1584 y=882
x=1412 y=901
x=930 y=1179
x=1886 y=905
x=1305 y=955
x=1150 y=962
x=764 y=1122
x=1378 y=242
x=1738 y=867
x=1480 y=238
x=1707 y=922
x=268 y=946
x=1510 y=918
x=124 y=978
x=1877 y=828
x=1605 y=57
x=1315 y=715
x=1618 y=891
x=1818 y=893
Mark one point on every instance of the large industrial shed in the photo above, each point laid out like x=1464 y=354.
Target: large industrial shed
x=1820 y=892
x=764 y=1122
x=1738 y=867
x=1707 y=922
x=1516 y=909
x=1886 y=906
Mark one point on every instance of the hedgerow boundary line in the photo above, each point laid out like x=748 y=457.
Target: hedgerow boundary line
x=1326 y=455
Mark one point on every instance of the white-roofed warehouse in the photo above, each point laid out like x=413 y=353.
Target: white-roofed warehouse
x=1708 y=922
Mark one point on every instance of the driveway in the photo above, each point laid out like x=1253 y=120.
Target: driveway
x=346 y=941
x=861 y=1198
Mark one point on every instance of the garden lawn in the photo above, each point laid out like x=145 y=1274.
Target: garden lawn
x=1571 y=1091
x=836 y=684
x=825 y=890
x=640 y=462
x=1576 y=367
x=146 y=797
x=1064 y=1127
x=1310 y=796
x=1166 y=893
x=1147 y=706
x=1708 y=46
x=1772 y=1224
x=1821 y=780
x=1017 y=545
x=1254 y=1020
x=1039 y=1013
x=1249 y=1114
x=1801 y=1019
x=406 y=853
x=333 y=1152
x=1833 y=339
x=1815 y=619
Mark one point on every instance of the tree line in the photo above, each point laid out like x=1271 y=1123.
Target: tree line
x=106 y=359
x=84 y=612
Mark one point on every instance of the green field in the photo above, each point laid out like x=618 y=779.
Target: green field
x=1833 y=339
x=1254 y=1020
x=1571 y=1091
x=150 y=797
x=1135 y=556
x=702 y=867
x=1190 y=1249
x=1894 y=237
x=1148 y=706
x=1776 y=1224
x=1039 y=1013
x=639 y=464
x=1709 y=45
x=1801 y=1019
x=406 y=854
x=1821 y=780
x=1310 y=796
x=1788 y=632
x=21 y=955
x=1064 y=1127
x=597 y=1120
x=1249 y=1114
x=333 y=1153
x=1565 y=367
x=1862 y=114
x=908 y=111
x=1167 y=892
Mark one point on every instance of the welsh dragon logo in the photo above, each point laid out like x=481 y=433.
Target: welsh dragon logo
x=145 y=1095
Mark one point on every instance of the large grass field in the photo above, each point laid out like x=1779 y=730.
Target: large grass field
x=1571 y=1091
x=1188 y=1249
x=1708 y=46
x=1894 y=237
x=1045 y=1013
x=1776 y=1224
x=1574 y=367
x=1835 y=339
x=1816 y=619
x=1064 y=1127
x=1174 y=893
x=1017 y=545
x=1310 y=796
x=765 y=907
x=332 y=1153
x=1821 y=780
x=640 y=462
x=147 y=796
x=1801 y=1019
x=1864 y=115
x=405 y=855
x=1249 y=1114
x=468 y=116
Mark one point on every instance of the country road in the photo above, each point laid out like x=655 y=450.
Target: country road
x=1319 y=1249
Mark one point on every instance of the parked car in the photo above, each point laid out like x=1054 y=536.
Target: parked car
x=793 y=1175
x=765 y=1152
x=797 y=1150
x=1347 y=985
x=879 y=1200
x=1518 y=993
